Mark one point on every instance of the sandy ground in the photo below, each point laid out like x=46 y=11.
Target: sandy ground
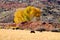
x=26 y=35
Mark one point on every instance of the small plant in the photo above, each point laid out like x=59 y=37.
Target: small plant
x=26 y=14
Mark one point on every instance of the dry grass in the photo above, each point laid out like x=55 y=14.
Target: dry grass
x=26 y=35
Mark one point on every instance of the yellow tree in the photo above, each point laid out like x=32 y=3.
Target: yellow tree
x=26 y=14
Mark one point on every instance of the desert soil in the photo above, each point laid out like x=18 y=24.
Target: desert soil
x=8 y=34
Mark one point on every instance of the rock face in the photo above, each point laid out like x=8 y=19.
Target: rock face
x=37 y=26
x=6 y=17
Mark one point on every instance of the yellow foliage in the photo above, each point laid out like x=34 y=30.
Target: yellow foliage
x=26 y=14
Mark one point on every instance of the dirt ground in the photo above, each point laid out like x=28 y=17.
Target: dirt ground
x=26 y=35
